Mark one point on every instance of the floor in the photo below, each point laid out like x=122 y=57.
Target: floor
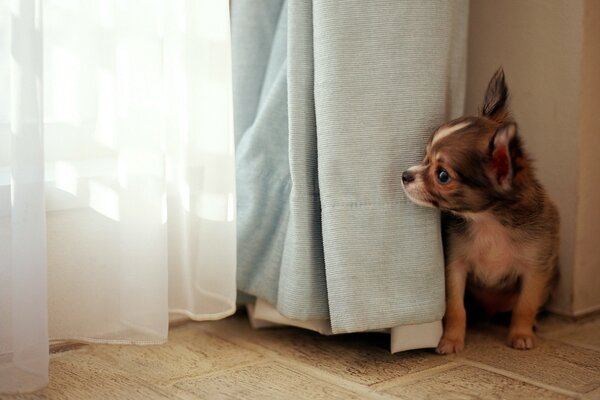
x=229 y=360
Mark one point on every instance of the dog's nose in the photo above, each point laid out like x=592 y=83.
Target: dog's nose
x=407 y=177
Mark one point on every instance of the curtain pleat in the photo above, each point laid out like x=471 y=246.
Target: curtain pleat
x=23 y=277
x=325 y=231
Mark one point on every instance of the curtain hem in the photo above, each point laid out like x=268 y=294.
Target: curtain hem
x=405 y=337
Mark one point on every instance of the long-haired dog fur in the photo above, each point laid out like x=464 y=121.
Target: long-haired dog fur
x=501 y=228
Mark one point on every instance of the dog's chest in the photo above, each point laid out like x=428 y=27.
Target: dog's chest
x=491 y=252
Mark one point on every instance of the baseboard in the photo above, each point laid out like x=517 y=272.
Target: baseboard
x=583 y=313
x=587 y=311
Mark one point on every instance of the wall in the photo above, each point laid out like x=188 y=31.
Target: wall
x=549 y=60
x=586 y=276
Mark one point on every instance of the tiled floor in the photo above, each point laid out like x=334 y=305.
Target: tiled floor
x=229 y=360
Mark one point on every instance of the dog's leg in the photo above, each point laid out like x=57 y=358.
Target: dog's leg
x=455 y=319
x=533 y=292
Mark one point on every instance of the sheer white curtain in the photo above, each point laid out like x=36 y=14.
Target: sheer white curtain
x=116 y=174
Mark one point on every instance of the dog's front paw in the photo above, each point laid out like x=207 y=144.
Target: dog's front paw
x=521 y=341
x=449 y=345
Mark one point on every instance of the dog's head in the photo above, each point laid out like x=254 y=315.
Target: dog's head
x=471 y=162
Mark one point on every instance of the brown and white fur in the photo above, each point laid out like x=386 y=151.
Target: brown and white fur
x=501 y=229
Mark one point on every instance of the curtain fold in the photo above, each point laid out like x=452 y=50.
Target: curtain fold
x=117 y=174
x=23 y=277
x=325 y=231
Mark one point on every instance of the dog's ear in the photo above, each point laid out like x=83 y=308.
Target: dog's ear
x=503 y=147
x=495 y=102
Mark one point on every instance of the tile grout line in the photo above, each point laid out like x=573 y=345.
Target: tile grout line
x=405 y=379
x=328 y=377
x=582 y=345
x=410 y=377
x=570 y=326
x=249 y=363
x=313 y=372
x=574 y=343
x=520 y=378
x=415 y=376
x=183 y=394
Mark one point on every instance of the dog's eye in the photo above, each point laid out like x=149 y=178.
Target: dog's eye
x=442 y=176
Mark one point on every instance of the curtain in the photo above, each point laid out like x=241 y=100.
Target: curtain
x=333 y=100
x=117 y=187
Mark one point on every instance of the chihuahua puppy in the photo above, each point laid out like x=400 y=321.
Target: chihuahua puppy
x=501 y=229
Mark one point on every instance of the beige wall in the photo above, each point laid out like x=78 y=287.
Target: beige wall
x=549 y=69
x=586 y=276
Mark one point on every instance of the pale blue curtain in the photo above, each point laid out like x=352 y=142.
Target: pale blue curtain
x=332 y=100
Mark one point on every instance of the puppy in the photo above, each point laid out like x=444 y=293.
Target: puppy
x=501 y=229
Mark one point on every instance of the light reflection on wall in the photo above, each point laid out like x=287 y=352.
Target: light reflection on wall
x=67 y=177
x=65 y=71
x=104 y=200
x=105 y=132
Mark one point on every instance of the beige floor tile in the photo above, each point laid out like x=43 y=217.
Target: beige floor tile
x=265 y=381
x=361 y=358
x=76 y=376
x=41 y=395
x=593 y=395
x=551 y=362
x=550 y=323
x=585 y=333
x=228 y=359
x=189 y=352
x=467 y=382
